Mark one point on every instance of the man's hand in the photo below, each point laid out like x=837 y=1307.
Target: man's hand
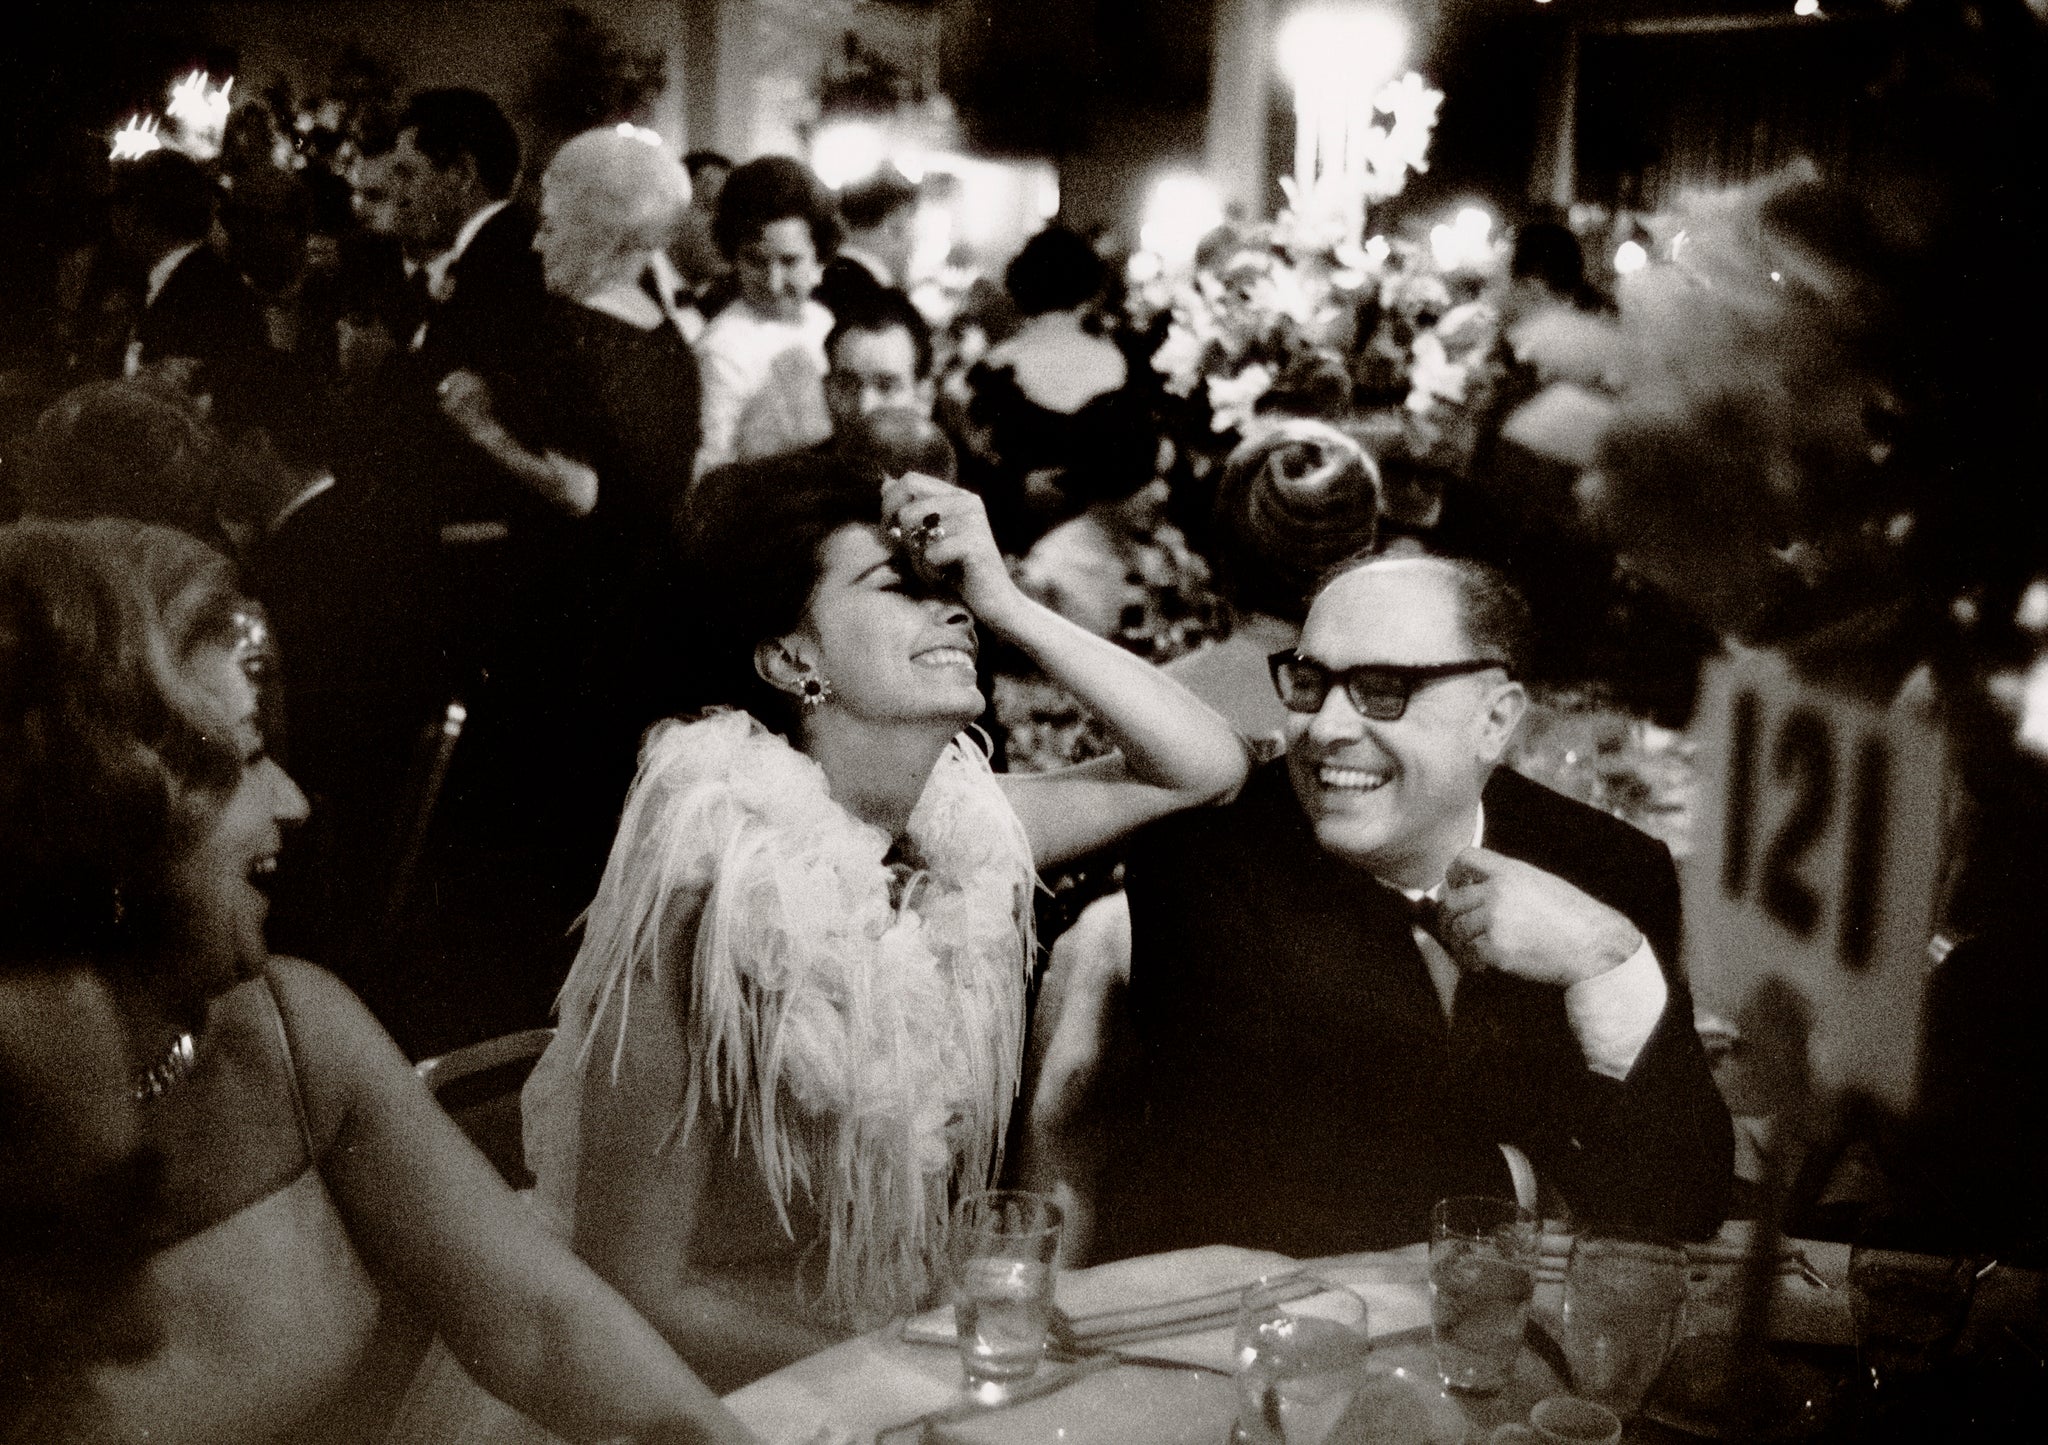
x=1503 y=914
x=575 y=485
x=464 y=396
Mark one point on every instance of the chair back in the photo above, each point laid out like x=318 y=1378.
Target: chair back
x=479 y=1086
x=434 y=751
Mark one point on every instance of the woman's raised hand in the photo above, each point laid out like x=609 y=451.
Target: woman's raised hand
x=944 y=530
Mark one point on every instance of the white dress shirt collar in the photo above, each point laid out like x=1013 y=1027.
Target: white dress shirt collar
x=1478 y=841
x=437 y=268
x=160 y=273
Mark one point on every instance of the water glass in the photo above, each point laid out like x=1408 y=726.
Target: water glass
x=1301 y=1358
x=1482 y=1272
x=1623 y=1302
x=1908 y=1309
x=1005 y=1244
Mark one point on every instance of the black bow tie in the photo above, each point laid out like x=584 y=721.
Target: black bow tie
x=1424 y=913
x=651 y=284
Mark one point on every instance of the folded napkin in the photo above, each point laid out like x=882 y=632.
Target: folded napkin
x=1183 y=1305
x=1162 y=1294
x=1726 y=1250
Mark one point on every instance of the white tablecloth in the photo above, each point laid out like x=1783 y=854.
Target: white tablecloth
x=866 y=1385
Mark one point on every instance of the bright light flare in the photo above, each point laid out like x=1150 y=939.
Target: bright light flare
x=1804 y=8
x=639 y=133
x=200 y=111
x=1629 y=258
x=136 y=139
x=194 y=101
x=1350 y=47
x=1465 y=243
x=847 y=151
x=1182 y=209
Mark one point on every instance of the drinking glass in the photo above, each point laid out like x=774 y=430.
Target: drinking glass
x=1482 y=1271
x=1301 y=1356
x=1005 y=1242
x=1623 y=1301
x=1908 y=1310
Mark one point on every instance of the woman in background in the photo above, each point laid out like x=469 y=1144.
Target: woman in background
x=288 y=1196
x=1034 y=391
x=613 y=391
x=763 y=356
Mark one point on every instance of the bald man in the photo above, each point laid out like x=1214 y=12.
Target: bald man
x=1394 y=971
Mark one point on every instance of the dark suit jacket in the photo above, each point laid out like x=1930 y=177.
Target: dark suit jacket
x=207 y=311
x=491 y=323
x=1297 y=1087
x=846 y=280
x=487 y=323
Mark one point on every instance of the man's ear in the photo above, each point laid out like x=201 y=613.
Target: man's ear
x=779 y=662
x=1503 y=715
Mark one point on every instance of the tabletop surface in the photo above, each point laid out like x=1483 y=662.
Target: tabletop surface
x=878 y=1384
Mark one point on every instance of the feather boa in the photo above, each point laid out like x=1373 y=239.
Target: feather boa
x=864 y=1039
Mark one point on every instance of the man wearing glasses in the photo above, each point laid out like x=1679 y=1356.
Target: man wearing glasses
x=1394 y=971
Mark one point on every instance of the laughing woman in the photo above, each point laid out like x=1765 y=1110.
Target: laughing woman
x=793 y=1032
x=230 y=1250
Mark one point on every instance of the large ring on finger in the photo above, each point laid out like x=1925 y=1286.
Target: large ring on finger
x=930 y=534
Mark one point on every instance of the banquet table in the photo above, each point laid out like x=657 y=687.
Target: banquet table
x=889 y=1385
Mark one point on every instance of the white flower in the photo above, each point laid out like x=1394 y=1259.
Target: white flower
x=1231 y=398
x=1179 y=356
x=1433 y=375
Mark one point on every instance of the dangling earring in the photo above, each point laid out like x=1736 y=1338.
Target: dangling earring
x=816 y=693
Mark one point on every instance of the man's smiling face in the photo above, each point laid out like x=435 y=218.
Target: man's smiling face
x=1398 y=798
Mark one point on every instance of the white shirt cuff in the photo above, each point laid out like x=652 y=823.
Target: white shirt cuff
x=1614 y=1013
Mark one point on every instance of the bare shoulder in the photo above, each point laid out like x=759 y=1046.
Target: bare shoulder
x=343 y=1056
x=312 y=999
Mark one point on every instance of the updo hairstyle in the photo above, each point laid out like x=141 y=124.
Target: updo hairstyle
x=756 y=539
x=1296 y=498
x=621 y=182
x=112 y=760
x=122 y=449
x=1056 y=271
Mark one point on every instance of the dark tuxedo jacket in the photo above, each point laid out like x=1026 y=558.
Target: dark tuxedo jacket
x=487 y=322
x=1296 y=1086
x=207 y=311
x=846 y=281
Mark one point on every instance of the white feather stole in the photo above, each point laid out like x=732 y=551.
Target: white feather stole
x=864 y=1040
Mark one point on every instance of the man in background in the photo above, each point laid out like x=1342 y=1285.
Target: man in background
x=201 y=327
x=881 y=232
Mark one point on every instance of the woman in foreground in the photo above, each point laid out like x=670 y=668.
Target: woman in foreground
x=280 y=1192
x=793 y=1032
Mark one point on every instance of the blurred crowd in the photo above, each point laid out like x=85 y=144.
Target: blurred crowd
x=432 y=436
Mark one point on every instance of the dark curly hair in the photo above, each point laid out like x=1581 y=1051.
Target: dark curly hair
x=771 y=189
x=111 y=760
x=756 y=536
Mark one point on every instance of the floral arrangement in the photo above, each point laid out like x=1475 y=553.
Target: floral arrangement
x=1271 y=313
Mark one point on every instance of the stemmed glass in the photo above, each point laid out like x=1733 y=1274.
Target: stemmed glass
x=1301 y=1358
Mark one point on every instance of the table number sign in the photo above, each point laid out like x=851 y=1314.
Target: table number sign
x=1816 y=863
